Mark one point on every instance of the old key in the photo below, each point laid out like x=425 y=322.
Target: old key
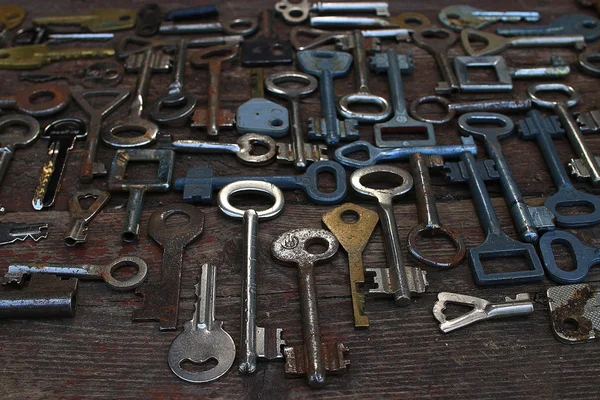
x=100 y=20
x=77 y=231
x=55 y=99
x=267 y=49
x=37 y=55
x=460 y=17
x=437 y=41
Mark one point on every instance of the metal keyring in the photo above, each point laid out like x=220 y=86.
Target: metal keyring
x=553 y=87
x=131 y=282
x=250 y=186
x=445 y=103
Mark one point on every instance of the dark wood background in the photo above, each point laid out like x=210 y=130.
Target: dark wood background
x=100 y=353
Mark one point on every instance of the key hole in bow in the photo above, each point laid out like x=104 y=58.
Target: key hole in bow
x=16 y=129
x=382 y=180
x=247 y=200
x=570 y=325
x=579 y=209
x=177 y=219
x=326 y=181
x=41 y=97
x=483 y=73
x=124 y=271
x=316 y=246
x=195 y=367
x=565 y=259
x=350 y=217
x=435 y=245
x=141 y=170
x=504 y=264
x=404 y=133
x=477 y=42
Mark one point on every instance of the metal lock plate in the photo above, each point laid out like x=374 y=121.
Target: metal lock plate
x=262 y=116
x=461 y=68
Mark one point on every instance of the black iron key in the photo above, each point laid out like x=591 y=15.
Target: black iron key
x=267 y=49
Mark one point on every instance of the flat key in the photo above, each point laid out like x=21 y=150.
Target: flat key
x=328 y=65
x=10 y=232
x=80 y=218
x=37 y=55
x=437 y=41
x=398 y=280
x=199 y=184
x=62 y=135
x=100 y=20
x=203 y=338
x=267 y=49
x=496 y=43
x=97 y=76
x=584 y=257
x=353 y=236
x=238 y=26
x=572 y=24
x=55 y=99
x=161 y=298
x=39 y=35
x=16 y=272
x=461 y=17
x=255 y=342
x=313 y=358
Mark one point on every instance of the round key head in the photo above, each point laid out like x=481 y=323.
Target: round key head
x=9 y=138
x=390 y=173
x=442 y=101
x=274 y=81
x=180 y=234
x=241 y=26
x=315 y=62
x=55 y=99
x=226 y=193
x=248 y=144
x=132 y=281
x=65 y=127
x=496 y=125
x=533 y=90
x=145 y=130
x=294 y=247
x=430 y=231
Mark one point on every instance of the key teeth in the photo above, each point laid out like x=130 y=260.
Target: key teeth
x=335 y=359
x=543 y=218
x=578 y=169
x=314 y=128
x=417 y=280
x=378 y=63
x=349 y=129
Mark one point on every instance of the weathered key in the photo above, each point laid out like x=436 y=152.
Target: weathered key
x=118 y=182
x=62 y=135
x=10 y=232
x=535 y=126
x=16 y=272
x=238 y=26
x=587 y=63
x=55 y=98
x=203 y=338
x=39 y=35
x=37 y=55
x=313 y=358
x=161 y=298
x=588 y=121
x=100 y=20
x=572 y=24
x=437 y=41
x=335 y=21
x=461 y=17
x=199 y=183
x=255 y=342
x=298 y=152
x=130 y=45
x=296 y=12
x=91 y=168
x=393 y=64
x=397 y=280
x=353 y=226
x=584 y=257
x=148 y=20
x=574 y=312
x=482 y=309
x=328 y=65
x=213 y=117
x=80 y=218
x=98 y=76
x=345 y=39
x=496 y=44
x=11 y=16
x=267 y=49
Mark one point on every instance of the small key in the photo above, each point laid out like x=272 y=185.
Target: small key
x=37 y=55
x=268 y=49
x=199 y=183
x=313 y=358
x=398 y=280
x=213 y=117
x=298 y=152
x=80 y=218
x=161 y=298
x=238 y=26
x=437 y=41
x=482 y=309
x=62 y=135
x=295 y=12
x=353 y=236
x=572 y=24
x=255 y=342
x=496 y=44
x=10 y=232
x=461 y=17
x=98 y=75
x=55 y=98
x=574 y=313
x=100 y=20
x=328 y=65
x=39 y=35
x=584 y=257
x=16 y=272
x=11 y=16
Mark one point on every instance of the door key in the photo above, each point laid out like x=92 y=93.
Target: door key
x=100 y=20
x=572 y=24
x=461 y=17
x=437 y=41
x=57 y=96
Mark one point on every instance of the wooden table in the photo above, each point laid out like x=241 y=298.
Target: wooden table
x=100 y=353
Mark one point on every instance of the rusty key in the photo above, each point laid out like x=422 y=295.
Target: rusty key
x=161 y=298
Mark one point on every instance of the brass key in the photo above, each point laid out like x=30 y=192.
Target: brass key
x=101 y=20
x=11 y=15
x=36 y=56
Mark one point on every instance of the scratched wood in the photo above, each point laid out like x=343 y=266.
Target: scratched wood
x=100 y=353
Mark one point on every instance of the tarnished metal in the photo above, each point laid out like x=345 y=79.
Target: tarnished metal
x=80 y=218
x=437 y=41
x=295 y=12
x=100 y=20
x=10 y=232
x=148 y=21
x=587 y=62
x=39 y=35
x=37 y=55
x=570 y=24
x=461 y=17
x=132 y=45
x=344 y=39
x=574 y=313
x=584 y=257
x=55 y=99
x=99 y=75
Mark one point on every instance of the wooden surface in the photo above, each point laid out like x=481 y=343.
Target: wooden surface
x=100 y=353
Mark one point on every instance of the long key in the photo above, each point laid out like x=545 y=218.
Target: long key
x=296 y=12
x=572 y=24
x=56 y=99
x=393 y=64
x=37 y=55
x=80 y=218
x=328 y=65
x=313 y=358
x=255 y=342
x=203 y=338
x=535 y=126
x=161 y=298
x=398 y=280
x=39 y=35
x=213 y=117
x=97 y=76
x=16 y=272
x=587 y=166
x=199 y=183
x=353 y=236
x=62 y=135
x=437 y=41
x=100 y=20
x=529 y=220
x=461 y=17
x=267 y=49
x=238 y=26
x=298 y=152
x=10 y=232
x=495 y=43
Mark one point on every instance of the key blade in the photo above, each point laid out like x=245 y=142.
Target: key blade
x=101 y=20
x=11 y=232
x=36 y=56
x=494 y=43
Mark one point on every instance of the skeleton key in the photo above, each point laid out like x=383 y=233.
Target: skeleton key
x=11 y=141
x=572 y=24
x=100 y=20
x=313 y=358
x=255 y=342
x=353 y=226
x=37 y=55
x=62 y=135
x=10 y=232
x=437 y=41
x=213 y=117
x=161 y=298
x=295 y=12
x=267 y=49
x=11 y=16
x=461 y=17
x=203 y=338
x=38 y=35
x=98 y=75
x=56 y=98
x=238 y=26
x=80 y=218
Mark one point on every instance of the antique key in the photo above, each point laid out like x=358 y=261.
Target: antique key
x=437 y=41
x=203 y=338
x=296 y=12
x=584 y=257
x=313 y=358
x=574 y=312
x=237 y=26
x=572 y=24
x=268 y=49
x=39 y=35
x=100 y=20
x=11 y=16
x=98 y=75
x=10 y=141
x=10 y=232
x=161 y=298
x=55 y=99
x=461 y=17
x=353 y=225
x=255 y=342
x=37 y=55
x=62 y=135
x=80 y=218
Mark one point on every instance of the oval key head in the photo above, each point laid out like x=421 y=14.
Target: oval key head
x=310 y=179
x=533 y=90
x=16 y=140
x=360 y=177
x=176 y=234
x=435 y=39
x=273 y=82
x=316 y=61
x=240 y=26
x=412 y=20
x=349 y=102
x=11 y=16
x=65 y=127
x=113 y=134
x=247 y=152
x=203 y=57
x=131 y=281
x=477 y=124
x=588 y=62
x=430 y=231
x=442 y=101
x=573 y=198
x=583 y=256
x=56 y=98
x=173 y=107
x=293 y=247
x=225 y=194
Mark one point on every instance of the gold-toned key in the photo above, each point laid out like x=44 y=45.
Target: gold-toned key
x=352 y=226
x=100 y=20
x=11 y=15
x=38 y=55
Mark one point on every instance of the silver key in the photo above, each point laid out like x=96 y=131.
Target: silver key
x=296 y=12
x=203 y=338
x=461 y=17
x=574 y=312
x=255 y=342
x=238 y=26
x=482 y=309
x=77 y=231
x=570 y=24
x=10 y=232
